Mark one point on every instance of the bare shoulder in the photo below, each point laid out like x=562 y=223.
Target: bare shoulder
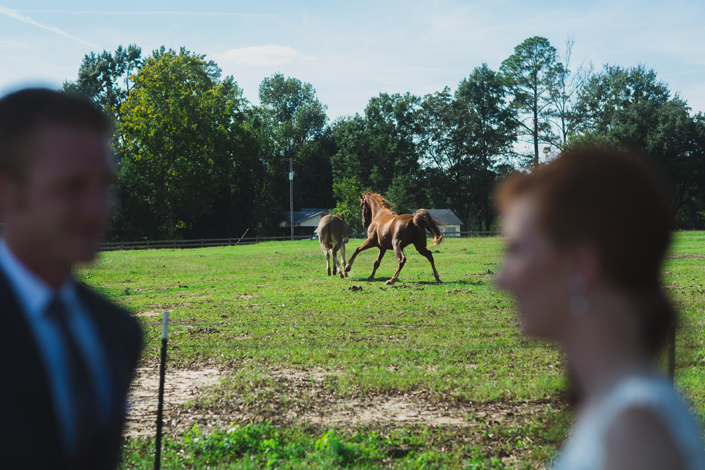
x=638 y=439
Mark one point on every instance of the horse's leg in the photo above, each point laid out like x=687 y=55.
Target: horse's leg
x=421 y=248
x=382 y=251
x=328 y=261
x=399 y=251
x=367 y=244
x=335 y=259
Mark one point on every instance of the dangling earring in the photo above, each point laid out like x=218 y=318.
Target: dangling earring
x=579 y=303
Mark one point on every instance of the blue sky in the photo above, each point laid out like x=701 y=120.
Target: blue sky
x=351 y=51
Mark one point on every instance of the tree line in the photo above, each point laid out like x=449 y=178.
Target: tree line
x=195 y=159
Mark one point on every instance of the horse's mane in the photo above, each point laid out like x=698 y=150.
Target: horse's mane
x=381 y=201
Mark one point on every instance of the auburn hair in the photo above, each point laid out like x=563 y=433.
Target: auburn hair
x=616 y=202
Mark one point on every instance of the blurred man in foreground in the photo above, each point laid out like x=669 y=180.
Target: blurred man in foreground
x=68 y=355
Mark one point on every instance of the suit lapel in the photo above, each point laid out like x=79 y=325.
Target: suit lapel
x=25 y=380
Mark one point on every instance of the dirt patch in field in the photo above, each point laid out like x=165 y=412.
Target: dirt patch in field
x=179 y=387
x=294 y=396
x=149 y=313
x=686 y=256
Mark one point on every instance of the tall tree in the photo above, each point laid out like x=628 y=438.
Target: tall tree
x=291 y=122
x=613 y=90
x=105 y=78
x=631 y=108
x=565 y=86
x=380 y=149
x=186 y=156
x=468 y=138
x=347 y=194
x=528 y=75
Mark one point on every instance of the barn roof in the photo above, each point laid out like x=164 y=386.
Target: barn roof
x=444 y=216
x=304 y=214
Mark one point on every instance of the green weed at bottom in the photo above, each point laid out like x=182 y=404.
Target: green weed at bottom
x=263 y=445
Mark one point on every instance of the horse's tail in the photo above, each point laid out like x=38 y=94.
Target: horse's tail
x=424 y=221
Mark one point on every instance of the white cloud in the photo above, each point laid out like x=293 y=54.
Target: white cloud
x=261 y=55
x=26 y=19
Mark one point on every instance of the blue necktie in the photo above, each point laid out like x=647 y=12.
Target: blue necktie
x=82 y=394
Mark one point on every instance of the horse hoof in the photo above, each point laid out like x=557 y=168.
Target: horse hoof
x=389 y=282
x=348 y=268
x=342 y=276
x=329 y=272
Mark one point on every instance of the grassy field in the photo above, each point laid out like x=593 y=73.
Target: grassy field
x=313 y=371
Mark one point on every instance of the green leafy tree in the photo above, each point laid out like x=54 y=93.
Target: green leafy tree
x=188 y=166
x=672 y=138
x=380 y=149
x=632 y=109
x=529 y=74
x=468 y=138
x=615 y=89
x=291 y=122
x=105 y=78
x=347 y=193
x=401 y=194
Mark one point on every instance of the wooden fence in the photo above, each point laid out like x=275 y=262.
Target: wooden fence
x=205 y=242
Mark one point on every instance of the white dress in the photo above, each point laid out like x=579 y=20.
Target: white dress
x=585 y=449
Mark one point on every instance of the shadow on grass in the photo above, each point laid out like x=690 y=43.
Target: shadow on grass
x=398 y=284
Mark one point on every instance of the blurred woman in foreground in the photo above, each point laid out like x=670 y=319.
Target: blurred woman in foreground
x=586 y=236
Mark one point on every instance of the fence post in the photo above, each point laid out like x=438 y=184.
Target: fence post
x=175 y=243
x=201 y=242
x=147 y=244
x=120 y=246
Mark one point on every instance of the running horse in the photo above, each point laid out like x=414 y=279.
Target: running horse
x=333 y=235
x=389 y=231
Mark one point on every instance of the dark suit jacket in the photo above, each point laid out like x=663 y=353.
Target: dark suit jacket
x=29 y=433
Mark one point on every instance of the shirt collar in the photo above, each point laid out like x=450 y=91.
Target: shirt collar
x=33 y=294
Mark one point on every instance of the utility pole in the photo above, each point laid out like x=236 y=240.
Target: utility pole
x=291 y=195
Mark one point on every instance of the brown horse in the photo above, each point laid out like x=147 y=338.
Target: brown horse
x=333 y=235
x=389 y=231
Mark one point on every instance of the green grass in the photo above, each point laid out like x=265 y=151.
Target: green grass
x=263 y=446
x=257 y=308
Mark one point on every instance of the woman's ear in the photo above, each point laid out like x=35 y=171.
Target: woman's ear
x=585 y=264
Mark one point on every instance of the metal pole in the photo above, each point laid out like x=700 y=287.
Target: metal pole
x=291 y=195
x=160 y=407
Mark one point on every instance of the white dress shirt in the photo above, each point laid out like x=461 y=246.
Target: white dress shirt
x=34 y=296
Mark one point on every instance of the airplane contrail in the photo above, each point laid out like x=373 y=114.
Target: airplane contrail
x=163 y=12
x=26 y=19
